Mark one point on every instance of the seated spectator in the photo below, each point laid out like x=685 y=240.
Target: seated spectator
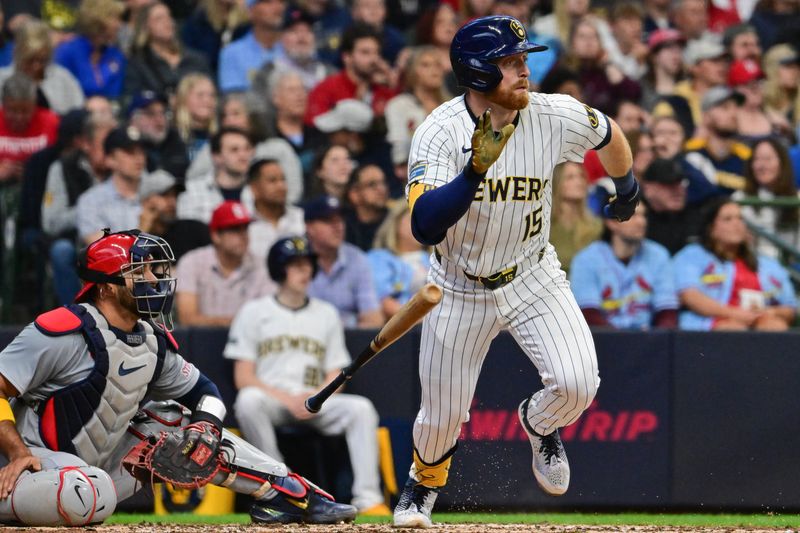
x=746 y=77
x=236 y=114
x=330 y=18
x=624 y=280
x=691 y=19
x=436 y=26
x=741 y=42
x=776 y=22
x=424 y=92
x=564 y=17
x=286 y=347
x=99 y=105
x=332 y=168
x=604 y=84
x=666 y=66
x=217 y=280
x=781 y=102
x=165 y=149
x=363 y=77
x=399 y=262
x=195 y=112
x=643 y=151
x=624 y=41
x=344 y=278
x=723 y=285
x=669 y=137
x=367 y=200
x=573 y=224
x=664 y=191
x=241 y=59
x=769 y=175
x=273 y=216
x=6 y=42
x=157 y=61
x=232 y=152
x=299 y=55
x=289 y=99
x=25 y=128
x=373 y=13
x=57 y=88
x=72 y=174
x=159 y=197
x=92 y=57
x=114 y=203
x=212 y=26
x=716 y=154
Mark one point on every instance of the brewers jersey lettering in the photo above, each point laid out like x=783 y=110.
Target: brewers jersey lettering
x=503 y=235
x=509 y=220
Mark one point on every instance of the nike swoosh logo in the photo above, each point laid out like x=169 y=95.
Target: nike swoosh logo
x=125 y=371
x=466 y=150
x=78 y=492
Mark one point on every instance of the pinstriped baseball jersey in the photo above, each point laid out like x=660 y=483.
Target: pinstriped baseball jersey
x=509 y=219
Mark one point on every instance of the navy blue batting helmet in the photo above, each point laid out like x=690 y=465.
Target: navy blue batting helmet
x=483 y=40
x=284 y=251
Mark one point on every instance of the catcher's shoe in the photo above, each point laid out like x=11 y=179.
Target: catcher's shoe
x=415 y=505
x=550 y=465
x=314 y=507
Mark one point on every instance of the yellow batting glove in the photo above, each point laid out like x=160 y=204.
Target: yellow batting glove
x=486 y=144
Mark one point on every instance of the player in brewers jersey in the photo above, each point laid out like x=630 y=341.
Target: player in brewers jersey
x=624 y=280
x=77 y=378
x=288 y=345
x=479 y=189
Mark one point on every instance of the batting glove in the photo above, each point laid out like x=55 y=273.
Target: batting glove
x=486 y=144
x=622 y=207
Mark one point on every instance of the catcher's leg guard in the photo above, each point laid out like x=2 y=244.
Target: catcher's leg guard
x=245 y=468
x=68 y=496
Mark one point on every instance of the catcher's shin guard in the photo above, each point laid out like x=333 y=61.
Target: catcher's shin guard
x=245 y=468
x=68 y=496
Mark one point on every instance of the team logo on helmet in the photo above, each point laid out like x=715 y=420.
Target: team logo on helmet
x=517 y=28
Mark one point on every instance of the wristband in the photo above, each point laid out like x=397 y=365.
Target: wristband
x=210 y=409
x=471 y=174
x=624 y=185
x=5 y=411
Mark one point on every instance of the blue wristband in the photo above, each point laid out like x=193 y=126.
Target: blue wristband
x=624 y=184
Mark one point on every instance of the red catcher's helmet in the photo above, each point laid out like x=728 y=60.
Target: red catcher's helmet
x=107 y=255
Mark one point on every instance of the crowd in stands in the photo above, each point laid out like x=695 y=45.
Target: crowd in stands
x=226 y=125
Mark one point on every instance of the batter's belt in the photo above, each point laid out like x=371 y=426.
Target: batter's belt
x=496 y=280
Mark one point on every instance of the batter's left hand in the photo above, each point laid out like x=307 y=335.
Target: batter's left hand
x=622 y=208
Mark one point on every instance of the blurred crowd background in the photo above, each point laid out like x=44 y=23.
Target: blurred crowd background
x=224 y=125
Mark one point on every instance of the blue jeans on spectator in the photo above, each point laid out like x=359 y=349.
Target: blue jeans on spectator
x=63 y=258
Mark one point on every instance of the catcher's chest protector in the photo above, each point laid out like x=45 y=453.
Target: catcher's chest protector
x=87 y=418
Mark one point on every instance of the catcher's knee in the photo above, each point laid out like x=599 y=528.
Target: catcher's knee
x=69 y=496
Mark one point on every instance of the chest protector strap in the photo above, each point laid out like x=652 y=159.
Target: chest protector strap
x=66 y=411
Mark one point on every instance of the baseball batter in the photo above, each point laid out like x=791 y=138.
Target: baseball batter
x=77 y=378
x=480 y=190
x=287 y=346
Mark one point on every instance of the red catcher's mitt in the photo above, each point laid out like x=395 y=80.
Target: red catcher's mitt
x=188 y=458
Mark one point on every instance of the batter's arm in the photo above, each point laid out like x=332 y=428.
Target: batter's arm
x=617 y=159
x=11 y=446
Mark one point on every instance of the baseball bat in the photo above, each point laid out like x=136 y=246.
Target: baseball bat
x=408 y=315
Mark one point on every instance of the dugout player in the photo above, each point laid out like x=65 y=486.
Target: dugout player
x=285 y=348
x=76 y=378
x=480 y=181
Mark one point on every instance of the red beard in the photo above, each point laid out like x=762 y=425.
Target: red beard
x=508 y=98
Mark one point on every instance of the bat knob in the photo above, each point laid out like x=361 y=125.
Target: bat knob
x=312 y=405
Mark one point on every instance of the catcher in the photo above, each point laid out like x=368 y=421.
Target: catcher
x=73 y=431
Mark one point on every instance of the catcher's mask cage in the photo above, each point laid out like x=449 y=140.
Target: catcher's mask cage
x=117 y=257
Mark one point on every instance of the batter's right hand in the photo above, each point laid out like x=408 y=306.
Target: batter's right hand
x=486 y=144
x=10 y=472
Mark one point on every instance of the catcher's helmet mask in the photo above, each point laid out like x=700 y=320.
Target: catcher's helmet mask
x=286 y=250
x=119 y=256
x=479 y=43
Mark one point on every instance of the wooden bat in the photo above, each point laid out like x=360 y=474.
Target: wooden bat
x=397 y=326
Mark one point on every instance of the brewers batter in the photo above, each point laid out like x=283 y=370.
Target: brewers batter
x=480 y=191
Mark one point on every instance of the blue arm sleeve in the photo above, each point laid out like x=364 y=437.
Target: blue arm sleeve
x=203 y=387
x=438 y=209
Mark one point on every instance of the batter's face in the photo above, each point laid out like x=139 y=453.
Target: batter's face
x=512 y=91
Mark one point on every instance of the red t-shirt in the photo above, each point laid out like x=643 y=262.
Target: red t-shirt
x=41 y=133
x=744 y=278
x=324 y=96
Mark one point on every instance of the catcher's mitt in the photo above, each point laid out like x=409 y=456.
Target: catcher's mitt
x=188 y=458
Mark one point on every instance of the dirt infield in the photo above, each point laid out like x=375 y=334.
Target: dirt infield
x=385 y=528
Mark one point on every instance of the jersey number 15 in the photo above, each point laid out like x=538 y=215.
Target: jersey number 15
x=533 y=224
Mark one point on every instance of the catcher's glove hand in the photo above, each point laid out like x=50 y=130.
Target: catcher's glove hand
x=622 y=207
x=187 y=458
x=486 y=144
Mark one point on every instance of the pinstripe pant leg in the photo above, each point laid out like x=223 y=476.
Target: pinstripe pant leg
x=455 y=339
x=548 y=325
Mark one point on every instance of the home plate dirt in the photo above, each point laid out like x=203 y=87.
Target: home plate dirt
x=384 y=528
